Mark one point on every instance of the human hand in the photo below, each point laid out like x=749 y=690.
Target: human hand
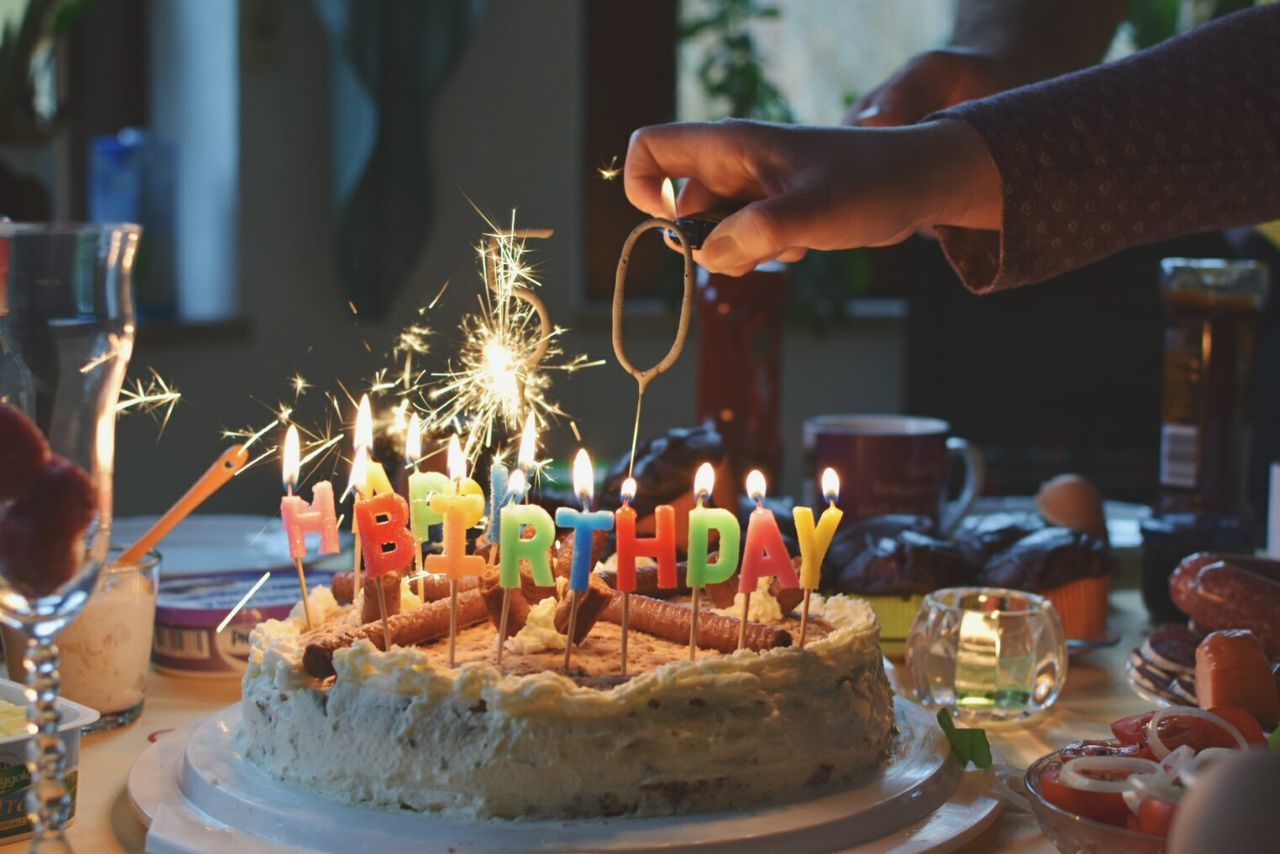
x=813 y=188
x=930 y=82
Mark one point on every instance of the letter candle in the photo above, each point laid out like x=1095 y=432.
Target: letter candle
x=386 y=541
x=460 y=511
x=362 y=439
x=661 y=547
x=702 y=521
x=765 y=554
x=499 y=488
x=299 y=518
x=584 y=524
x=412 y=453
x=815 y=540
x=517 y=548
x=356 y=486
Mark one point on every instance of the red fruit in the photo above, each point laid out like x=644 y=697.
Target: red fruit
x=40 y=535
x=23 y=452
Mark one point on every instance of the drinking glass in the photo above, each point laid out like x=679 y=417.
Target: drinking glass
x=986 y=653
x=66 y=334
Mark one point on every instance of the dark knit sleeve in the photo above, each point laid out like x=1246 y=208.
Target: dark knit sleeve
x=1180 y=138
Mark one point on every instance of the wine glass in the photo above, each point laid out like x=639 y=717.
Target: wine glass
x=66 y=334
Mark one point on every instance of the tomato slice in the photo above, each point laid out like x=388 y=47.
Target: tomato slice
x=1243 y=721
x=1107 y=807
x=1156 y=817
x=1133 y=729
x=1177 y=730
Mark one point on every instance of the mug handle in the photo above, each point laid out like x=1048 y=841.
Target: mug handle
x=975 y=475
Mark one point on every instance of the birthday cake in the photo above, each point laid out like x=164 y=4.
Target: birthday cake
x=329 y=711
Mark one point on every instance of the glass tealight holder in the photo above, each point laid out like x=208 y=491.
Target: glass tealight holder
x=988 y=654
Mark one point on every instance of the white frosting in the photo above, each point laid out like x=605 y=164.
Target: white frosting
x=401 y=730
x=539 y=633
x=763 y=607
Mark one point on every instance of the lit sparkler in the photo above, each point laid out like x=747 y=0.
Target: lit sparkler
x=509 y=347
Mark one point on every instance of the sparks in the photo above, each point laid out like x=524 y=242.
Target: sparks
x=300 y=385
x=610 y=170
x=231 y=615
x=509 y=347
x=153 y=396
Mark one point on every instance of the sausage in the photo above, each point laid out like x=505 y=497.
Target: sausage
x=390 y=594
x=672 y=621
x=424 y=623
x=1220 y=594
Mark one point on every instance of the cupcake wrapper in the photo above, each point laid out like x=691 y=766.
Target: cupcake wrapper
x=1082 y=606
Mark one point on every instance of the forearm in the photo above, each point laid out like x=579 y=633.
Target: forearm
x=1184 y=137
x=1038 y=38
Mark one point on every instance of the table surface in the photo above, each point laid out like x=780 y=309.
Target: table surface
x=1095 y=694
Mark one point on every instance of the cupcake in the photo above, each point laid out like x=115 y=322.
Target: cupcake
x=983 y=537
x=664 y=470
x=895 y=574
x=1072 y=569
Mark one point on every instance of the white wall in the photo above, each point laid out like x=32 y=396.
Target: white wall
x=507 y=132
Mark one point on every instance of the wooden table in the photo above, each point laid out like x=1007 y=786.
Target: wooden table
x=1095 y=695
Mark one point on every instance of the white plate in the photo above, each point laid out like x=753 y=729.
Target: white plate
x=213 y=543
x=198 y=793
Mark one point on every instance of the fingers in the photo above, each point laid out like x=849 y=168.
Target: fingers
x=762 y=231
x=694 y=198
x=681 y=150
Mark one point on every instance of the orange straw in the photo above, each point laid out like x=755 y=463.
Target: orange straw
x=232 y=460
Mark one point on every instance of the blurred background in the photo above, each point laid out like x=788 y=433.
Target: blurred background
x=308 y=174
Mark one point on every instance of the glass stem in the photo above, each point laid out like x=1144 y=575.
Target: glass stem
x=48 y=802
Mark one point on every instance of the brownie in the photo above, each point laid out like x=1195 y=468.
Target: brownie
x=905 y=565
x=1048 y=558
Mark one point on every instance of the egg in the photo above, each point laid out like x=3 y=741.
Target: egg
x=1231 y=808
x=1072 y=501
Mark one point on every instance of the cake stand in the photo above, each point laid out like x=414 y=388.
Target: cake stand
x=197 y=793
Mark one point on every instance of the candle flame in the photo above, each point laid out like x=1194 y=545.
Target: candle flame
x=359 y=472
x=584 y=477
x=755 y=485
x=830 y=485
x=517 y=485
x=668 y=199
x=704 y=481
x=291 y=456
x=413 y=440
x=527 y=457
x=457 y=460
x=628 y=489
x=364 y=424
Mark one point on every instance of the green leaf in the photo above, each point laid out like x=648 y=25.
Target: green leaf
x=967 y=745
x=1274 y=740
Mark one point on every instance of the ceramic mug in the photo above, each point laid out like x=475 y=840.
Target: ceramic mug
x=892 y=464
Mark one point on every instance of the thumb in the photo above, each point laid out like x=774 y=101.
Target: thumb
x=758 y=232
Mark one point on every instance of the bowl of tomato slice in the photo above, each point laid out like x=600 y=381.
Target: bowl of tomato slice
x=1079 y=821
x=1085 y=809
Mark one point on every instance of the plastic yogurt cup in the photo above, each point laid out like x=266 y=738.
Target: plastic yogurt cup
x=190 y=607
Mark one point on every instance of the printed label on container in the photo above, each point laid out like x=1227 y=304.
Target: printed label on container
x=190 y=607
